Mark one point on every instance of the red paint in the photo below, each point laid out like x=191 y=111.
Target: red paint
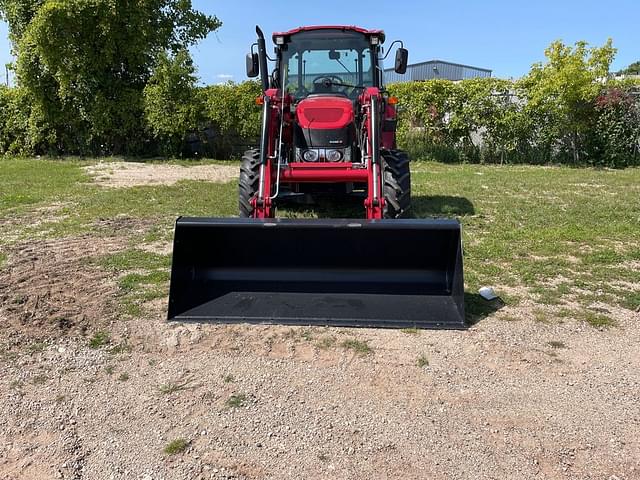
x=351 y=28
x=389 y=138
x=323 y=172
x=325 y=113
x=263 y=208
x=373 y=207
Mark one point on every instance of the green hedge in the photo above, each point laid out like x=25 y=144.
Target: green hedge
x=480 y=120
x=491 y=120
x=565 y=110
x=14 y=122
x=231 y=115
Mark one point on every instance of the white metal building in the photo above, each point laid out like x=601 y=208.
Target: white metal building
x=434 y=69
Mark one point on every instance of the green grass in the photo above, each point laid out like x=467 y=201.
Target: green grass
x=39 y=379
x=148 y=282
x=237 y=401
x=422 y=361
x=411 y=331
x=123 y=347
x=28 y=184
x=176 y=446
x=295 y=334
x=598 y=320
x=25 y=182
x=360 y=347
x=326 y=343
x=173 y=387
x=133 y=259
x=562 y=236
x=36 y=347
x=99 y=339
x=630 y=300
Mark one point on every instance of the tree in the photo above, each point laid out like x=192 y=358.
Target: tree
x=85 y=63
x=560 y=93
x=231 y=110
x=617 y=128
x=171 y=101
x=633 y=69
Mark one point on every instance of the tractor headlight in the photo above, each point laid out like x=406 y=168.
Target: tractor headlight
x=334 y=155
x=310 y=155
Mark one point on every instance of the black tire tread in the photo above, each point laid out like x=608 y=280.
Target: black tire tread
x=397 y=183
x=248 y=182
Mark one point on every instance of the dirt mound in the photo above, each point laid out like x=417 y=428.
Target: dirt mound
x=129 y=174
x=49 y=288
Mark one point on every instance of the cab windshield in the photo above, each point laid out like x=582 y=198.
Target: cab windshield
x=327 y=61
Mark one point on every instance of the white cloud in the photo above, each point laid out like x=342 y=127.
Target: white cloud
x=224 y=76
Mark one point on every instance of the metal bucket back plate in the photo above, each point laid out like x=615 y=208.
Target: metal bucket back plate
x=362 y=273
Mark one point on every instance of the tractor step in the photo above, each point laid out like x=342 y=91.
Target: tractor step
x=358 y=273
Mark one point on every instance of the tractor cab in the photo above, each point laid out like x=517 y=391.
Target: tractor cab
x=325 y=62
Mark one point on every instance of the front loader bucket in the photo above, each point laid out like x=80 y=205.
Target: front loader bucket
x=359 y=273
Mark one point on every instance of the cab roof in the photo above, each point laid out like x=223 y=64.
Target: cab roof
x=352 y=28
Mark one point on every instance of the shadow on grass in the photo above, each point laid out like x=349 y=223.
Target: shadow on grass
x=424 y=206
x=477 y=308
x=324 y=206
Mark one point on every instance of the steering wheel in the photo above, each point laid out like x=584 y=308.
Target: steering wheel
x=327 y=81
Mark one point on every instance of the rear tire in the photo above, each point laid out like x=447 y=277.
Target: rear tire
x=249 y=181
x=397 y=183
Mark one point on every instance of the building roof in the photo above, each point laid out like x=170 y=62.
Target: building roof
x=436 y=69
x=445 y=63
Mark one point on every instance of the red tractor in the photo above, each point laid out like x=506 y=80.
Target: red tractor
x=328 y=125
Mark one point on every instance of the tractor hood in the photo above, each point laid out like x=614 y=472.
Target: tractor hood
x=325 y=112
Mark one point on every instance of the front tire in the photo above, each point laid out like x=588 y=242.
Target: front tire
x=397 y=184
x=249 y=182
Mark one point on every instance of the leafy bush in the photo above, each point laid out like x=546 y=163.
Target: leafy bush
x=84 y=66
x=562 y=111
x=171 y=102
x=14 y=121
x=231 y=113
x=617 y=129
x=566 y=110
x=474 y=120
x=560 y=96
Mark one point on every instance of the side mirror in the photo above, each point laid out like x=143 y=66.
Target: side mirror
x=402 y=58
x=253 y=68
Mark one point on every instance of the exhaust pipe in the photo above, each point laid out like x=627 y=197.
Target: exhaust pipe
x=262 y=57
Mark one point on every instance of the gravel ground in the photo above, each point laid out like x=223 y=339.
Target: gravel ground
x=505 y=399
x=493 y=402
x=129 y=174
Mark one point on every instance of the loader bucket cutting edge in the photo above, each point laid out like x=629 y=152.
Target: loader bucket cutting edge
x=358 y=273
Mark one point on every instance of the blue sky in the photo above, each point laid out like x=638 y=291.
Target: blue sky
x=505 y=36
